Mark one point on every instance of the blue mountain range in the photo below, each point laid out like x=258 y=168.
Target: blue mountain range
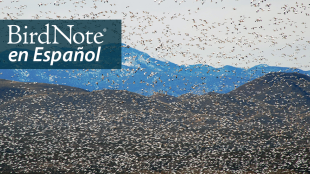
x=145 y=75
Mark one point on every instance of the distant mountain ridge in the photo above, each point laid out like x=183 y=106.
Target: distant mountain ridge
x=145 y=75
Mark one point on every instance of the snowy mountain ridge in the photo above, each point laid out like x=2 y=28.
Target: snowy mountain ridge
x=145 y=75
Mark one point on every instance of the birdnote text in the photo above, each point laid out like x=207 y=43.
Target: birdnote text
x=57 y=44
x=69 y=38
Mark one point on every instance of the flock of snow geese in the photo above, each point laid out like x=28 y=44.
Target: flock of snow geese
x=60 y=129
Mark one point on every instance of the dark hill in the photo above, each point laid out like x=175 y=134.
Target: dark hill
x=12 y=89
x=275 y=94
x=286 y=91
x=165 y=98
x=275 y=83
x=187 y=96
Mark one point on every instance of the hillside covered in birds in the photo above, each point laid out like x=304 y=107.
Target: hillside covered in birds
x=262 y=125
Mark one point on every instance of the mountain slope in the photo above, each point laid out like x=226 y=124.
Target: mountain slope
x=272 y=96
x=278 y=94
x=12 y=89
x=282 y=90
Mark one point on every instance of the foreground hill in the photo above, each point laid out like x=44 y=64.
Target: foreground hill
x=277 y=89
x=261 y=126
x=12 y=89
x=274 y=95
x=287 y=93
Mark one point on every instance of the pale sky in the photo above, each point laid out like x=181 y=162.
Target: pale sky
x=241 y=33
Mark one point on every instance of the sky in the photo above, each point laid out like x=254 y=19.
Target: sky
x=241 y=33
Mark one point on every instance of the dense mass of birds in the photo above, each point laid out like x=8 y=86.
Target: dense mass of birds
x=115 y=131
x=260 y=127
x=263 y=33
